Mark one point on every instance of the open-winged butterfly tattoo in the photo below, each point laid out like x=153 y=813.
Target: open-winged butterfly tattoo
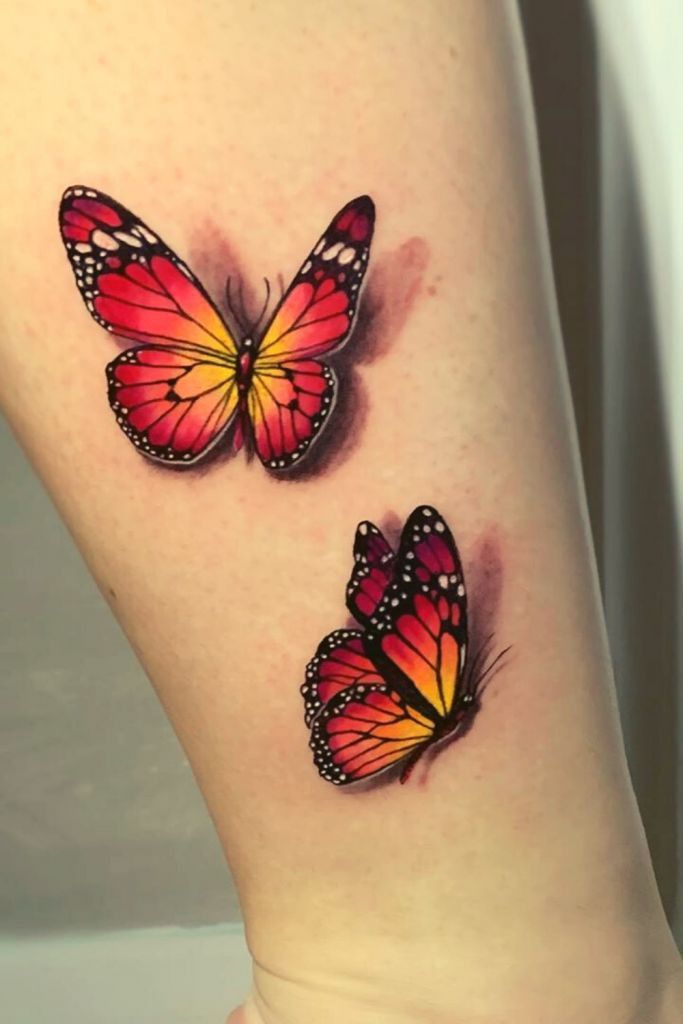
x=189 y=382
x=381 y=696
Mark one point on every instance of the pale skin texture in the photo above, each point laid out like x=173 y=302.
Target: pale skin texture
x=514 y=884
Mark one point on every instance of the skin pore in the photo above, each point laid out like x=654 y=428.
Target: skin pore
x=509 y=879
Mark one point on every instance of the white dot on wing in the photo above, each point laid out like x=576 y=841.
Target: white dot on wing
x=103 y=240
x=127 y=239
x=332 y=251
x=146 y=233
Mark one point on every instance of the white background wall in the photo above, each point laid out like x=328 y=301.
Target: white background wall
x=641 y=131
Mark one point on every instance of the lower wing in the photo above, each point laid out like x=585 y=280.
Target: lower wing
x=364 y=731
x=173 y=404
x=339 y=663
x=288 y=404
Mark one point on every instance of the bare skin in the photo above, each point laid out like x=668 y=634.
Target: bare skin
x=510 y=880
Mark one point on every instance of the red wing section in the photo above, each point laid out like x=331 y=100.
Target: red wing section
x=292 y=394
x=131 y=282
x=288 y=404
x=172 y=404
x=373 y=562
x=365 y=730
x=339 y=662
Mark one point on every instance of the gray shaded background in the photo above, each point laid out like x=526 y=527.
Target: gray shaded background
x=101 y=825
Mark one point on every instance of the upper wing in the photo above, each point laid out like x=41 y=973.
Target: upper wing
x=316 y=312
x=373 y=560
x=418 y=636
x=339 y=662
x=365 y=730
x=131 y=282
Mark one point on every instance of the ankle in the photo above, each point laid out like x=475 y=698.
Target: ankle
x=616 y=981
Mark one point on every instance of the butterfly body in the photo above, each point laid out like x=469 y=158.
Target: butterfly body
x=382 y=696
x=189 y=380
x=245 y=366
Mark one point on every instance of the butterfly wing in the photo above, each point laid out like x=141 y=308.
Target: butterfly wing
x=339 y=662
x=292 y=393
x=373 y=560
x=363 y=731
x=176 y=396
x=418 y=636
x=131 y=282
x=288 y=404
x=173 y=404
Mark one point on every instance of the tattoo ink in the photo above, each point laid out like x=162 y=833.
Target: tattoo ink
x=189 y=385
x=380 y=697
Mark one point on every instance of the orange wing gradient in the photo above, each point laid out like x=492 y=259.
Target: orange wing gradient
x=397 y=688
x=365 y=731
x=292 y=393
x=175 y=395
x=419 y=633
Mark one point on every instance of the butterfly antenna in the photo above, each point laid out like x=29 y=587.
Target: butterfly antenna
x=231 y=306
x=240 y=296
x=479 y=657
x=281 y=282
x=257 y=323
x=487 y=674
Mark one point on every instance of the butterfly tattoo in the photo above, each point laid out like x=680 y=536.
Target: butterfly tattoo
x=189 y=381
x=381 y=696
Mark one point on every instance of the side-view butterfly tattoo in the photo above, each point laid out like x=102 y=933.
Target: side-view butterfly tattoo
x=188 y=381
x=381 y=696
